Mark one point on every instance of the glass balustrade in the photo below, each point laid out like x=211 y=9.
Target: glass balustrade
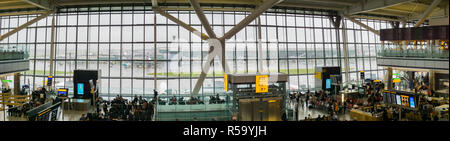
x=418 y=52
x=14 y=52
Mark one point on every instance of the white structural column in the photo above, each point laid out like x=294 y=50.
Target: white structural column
x=182 y=24
x=247 y=20
x=362 y=25
x=201 y=16
x=427 y=12
x=266 y=5
x=155 y=78
x=345 y=38
x=52 y=46
x=260 y=57
x=23 y=13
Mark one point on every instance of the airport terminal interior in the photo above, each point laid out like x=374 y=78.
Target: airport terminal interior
x=224 y=60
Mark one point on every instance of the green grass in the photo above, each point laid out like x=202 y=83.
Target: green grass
x=220 y=74
x=41 y=72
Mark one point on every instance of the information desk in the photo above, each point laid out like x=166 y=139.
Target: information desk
x=77 y=104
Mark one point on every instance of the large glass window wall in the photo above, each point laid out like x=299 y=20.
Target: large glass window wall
x=118 y=40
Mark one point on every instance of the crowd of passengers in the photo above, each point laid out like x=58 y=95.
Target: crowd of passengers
x=195 y=100
x=326 y=101
x=120 y=109
x=138 y=109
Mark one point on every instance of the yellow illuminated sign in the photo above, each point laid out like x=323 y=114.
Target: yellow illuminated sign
x=318 y=75
x=272 y=101
x=397 y=80
x=225 y=79
x=262 y=83
x=62 y=90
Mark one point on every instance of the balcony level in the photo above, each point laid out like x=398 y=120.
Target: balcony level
x=417 y=58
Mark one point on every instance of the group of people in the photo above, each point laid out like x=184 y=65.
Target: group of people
x=322 y=100
x=181 y=101
x=38 y=98
x=333 y=117
x=138 y=109
x=319 y=100
x=195 y=100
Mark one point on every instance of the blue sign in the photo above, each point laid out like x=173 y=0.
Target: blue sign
x=328 y=84
x=80 y=89
x=411 y=102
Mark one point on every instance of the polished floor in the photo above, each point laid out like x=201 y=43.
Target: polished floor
x=305 y=111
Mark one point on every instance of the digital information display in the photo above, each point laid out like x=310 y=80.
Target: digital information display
x=80 y=89
x=49 y=80
x=405 y=100
x=328 y=84
x=399 y=100
x=412 y=103
x=62 y=92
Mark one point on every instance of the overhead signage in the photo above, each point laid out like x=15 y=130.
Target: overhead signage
x=412 y=103
x=405 y=100
x=225 y=79
x=318 y=75
x=50 y=80
x=262 y=83
x=396 y=80
x=362 y=74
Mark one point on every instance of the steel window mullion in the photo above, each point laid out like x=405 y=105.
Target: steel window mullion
x=76 y=44
x=167 y=54
x=306 y=51
x=109 y=56
x=45 y=46
x=296 y=50
x=65 y=52
x=278 y=43
x=132 y=50
x=190 y=55
x=356 y=56
x=87 y=37
x=55 y=48
x=286 y=38
x=121 y=49
x=180 y=61
x=143 y=50
x=323 y=44
x=27 y=49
